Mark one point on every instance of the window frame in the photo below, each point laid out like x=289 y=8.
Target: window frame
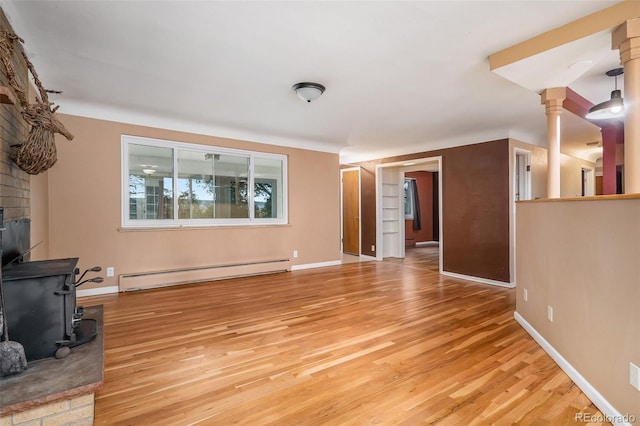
x=176 y=146
x=408 y=196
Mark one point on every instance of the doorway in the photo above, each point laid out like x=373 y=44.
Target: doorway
x=350 y=208
x=391 y=208
x=421 y=208
x=588 y=182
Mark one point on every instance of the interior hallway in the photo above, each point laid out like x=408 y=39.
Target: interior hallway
x=368 y=342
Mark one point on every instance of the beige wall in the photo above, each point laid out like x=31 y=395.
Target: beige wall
x=84 y=209
x=571 y=175
x=538 y=167
x=570 y=180
x=581 y=258
x=538 y=189
x=570 y=171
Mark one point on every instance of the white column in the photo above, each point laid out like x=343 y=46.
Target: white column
x=552 y=100
x=627 y=39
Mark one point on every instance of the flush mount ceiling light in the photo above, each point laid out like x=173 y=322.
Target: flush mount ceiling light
x=149 y=169
x=308 y=91
x=614 y=107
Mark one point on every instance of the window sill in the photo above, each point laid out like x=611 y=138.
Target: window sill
x=200 y=227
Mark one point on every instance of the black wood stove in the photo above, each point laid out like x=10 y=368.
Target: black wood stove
x=40 y=299
x=40 y=304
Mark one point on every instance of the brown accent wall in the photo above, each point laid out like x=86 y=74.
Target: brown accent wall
x=14 y=183
x=424 y=182
x=475 y=205
x=84 y=208
x=475 y=201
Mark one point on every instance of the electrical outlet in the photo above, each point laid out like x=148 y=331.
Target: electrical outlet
x=549 y=313
x=634 y=375
x=525 y=295
x=373 y=247
x=110 y=271
x=295 y=253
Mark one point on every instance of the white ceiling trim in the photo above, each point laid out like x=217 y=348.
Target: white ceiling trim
x=102 y=112
x=348 y=157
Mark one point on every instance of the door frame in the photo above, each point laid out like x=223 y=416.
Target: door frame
x=402 y=169
x=351 y=169
x=512 y=202
x=516 y=152
x=589 y=174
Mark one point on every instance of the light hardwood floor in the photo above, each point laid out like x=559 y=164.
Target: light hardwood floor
x=388 y=342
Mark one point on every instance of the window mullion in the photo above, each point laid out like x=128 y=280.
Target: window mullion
x=126 y=183
x=213 y=185
x=250 y=190
x=175 y=184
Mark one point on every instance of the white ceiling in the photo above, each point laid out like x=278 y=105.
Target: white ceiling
x=401 y=76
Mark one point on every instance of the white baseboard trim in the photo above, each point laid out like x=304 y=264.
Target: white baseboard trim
x=612 y=415
x=316 y=265
x=194 y=274
x=427 y=243
x=365 y=257
x=97 y=291
x=478 y=279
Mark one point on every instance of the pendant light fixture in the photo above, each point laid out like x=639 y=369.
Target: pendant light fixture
x=308 y=91
x=614 y=107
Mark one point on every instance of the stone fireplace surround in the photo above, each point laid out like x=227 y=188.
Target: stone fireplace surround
x=56 y=391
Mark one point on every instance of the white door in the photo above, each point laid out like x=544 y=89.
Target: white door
x=588 y=182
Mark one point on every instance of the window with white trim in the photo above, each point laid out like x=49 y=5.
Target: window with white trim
x=179 y=184
x=409 y=199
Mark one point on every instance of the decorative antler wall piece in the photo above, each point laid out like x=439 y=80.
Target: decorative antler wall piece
x=38 y=152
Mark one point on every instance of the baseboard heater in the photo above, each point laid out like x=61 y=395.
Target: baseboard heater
x=145 y=280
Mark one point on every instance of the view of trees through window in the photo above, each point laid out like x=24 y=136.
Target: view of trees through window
x=263 y=199
x=209 y=185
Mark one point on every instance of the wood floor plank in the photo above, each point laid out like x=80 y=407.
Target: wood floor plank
x=388 y=342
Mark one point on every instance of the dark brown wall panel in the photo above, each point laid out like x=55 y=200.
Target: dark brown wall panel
x=475 y=196
x=475 y=203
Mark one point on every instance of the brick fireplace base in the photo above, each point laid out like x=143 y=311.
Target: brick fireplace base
x=75 y=411
x=57 y=391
